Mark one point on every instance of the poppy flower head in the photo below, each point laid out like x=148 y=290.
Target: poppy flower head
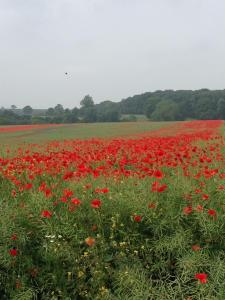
x=158 y=174
x=152 y=205
x=187 y=210
x=90 y=241
x=14 y=237
x=46 y=214
x=202 y=277
x=13 y=252
x=199 y=208
x=75 y=201
x=196 y=248
x=137 y=218
x=96 y=203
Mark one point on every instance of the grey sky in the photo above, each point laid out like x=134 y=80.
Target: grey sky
x=111 y=49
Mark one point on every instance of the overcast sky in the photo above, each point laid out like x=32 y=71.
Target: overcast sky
x=111 y=49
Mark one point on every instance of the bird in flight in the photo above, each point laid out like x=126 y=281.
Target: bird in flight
x=66 y=73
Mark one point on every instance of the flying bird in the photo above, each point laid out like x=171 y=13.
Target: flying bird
x=66 y=73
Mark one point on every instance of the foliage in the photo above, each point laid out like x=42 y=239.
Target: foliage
x=27 y=110
x=139 y=218
x=199 y=104
x=165 y=105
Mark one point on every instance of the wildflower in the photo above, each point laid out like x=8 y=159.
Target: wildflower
x=63 y=199
x=14 y=237
x=67 y=193
x=221 y=187
x=205 y=197
x=13 y=252
x=158 y=174
x=196 y=248
x=46 y=214
x=75 y=201
x=152 y=205
x=156 y=187
x=48 y=193
x=137 y=218
x=80 y=274
x=28 y=186
x=96 y=203
x=212 y=213
x=202 y=277
x=94 y=227
x=187 y=210
x=13 y=193
x=90 y=241
x=199 y=208
x=103 y=191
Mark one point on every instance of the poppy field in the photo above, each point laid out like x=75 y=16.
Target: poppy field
x=137 y=216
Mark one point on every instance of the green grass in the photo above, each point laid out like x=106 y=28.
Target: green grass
x=79 y=131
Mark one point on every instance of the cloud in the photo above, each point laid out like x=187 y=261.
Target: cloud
x=111 y=49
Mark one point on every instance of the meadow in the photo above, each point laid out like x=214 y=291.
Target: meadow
x=113 y=211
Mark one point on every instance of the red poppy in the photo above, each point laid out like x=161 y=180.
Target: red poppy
x=67 y=193
x=13 y=252
x=48 y=193
x=205 y=197
x=158 y=174
x=187 y=210
x=152 y=205
x=202 y=277
x=14 y=237
x=90 y=241
x=13 y=193
x=96 y=203
x=196 y=248
x=137 y=218
x=46 y=214
x=75 y=201
x=212 y=212
x=28 y=186
x=199 y=208
x=102 y=191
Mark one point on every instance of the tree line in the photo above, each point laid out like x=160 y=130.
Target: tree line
x=172 y=105
x=168 y=105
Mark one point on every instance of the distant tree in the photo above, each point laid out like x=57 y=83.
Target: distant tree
x=150 y=106
x=58 y=110
x=71 y=116
x=166 y=111
x=74 y=115
x=206 y=107
x=87 y=101
x=109 y=116
x=13 y=107
x=50 y=112
x=27 y=110
x=90 y=115
x=221 y=108
x=88 y=110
